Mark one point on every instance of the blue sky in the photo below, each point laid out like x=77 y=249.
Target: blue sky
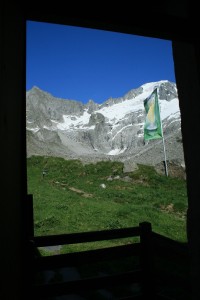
x=81 y=64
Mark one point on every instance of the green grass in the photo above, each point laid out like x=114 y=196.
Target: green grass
x=69 y=197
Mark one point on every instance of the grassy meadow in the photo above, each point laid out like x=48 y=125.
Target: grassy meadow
x=72 y=197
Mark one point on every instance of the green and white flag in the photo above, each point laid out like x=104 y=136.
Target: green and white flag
x=152 y=126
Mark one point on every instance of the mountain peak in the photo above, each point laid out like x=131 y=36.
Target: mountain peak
x=112 y=130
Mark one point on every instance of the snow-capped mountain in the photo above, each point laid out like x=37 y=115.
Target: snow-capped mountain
x=112 y=130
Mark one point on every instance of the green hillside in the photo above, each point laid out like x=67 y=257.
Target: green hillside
x=72 y=197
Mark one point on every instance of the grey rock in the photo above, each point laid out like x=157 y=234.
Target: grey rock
x=99 y=137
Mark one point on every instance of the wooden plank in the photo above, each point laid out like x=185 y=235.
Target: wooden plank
x=64 y=288
x=85 y=257
x=84 y=237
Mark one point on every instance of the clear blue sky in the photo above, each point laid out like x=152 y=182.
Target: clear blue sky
x=81 y=64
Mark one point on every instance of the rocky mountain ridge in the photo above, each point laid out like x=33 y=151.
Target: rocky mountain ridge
x=112 y=130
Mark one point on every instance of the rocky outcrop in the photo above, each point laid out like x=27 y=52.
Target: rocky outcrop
x=110 y=131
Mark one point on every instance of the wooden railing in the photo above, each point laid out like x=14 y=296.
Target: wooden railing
x=141 y=275
x=145 y=250
x=171 y=267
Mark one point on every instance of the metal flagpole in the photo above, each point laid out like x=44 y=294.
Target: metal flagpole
x=166 y=168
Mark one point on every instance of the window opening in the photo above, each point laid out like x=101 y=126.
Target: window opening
x=89 y=167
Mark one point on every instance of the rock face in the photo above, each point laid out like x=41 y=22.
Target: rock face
x=110 y=131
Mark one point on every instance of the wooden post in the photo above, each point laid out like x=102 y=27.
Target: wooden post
x=30 y=217
x=148 y=286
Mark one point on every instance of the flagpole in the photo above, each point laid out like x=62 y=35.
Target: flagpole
x=166 y=168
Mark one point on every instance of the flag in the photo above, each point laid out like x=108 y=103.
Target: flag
x=152 y=126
